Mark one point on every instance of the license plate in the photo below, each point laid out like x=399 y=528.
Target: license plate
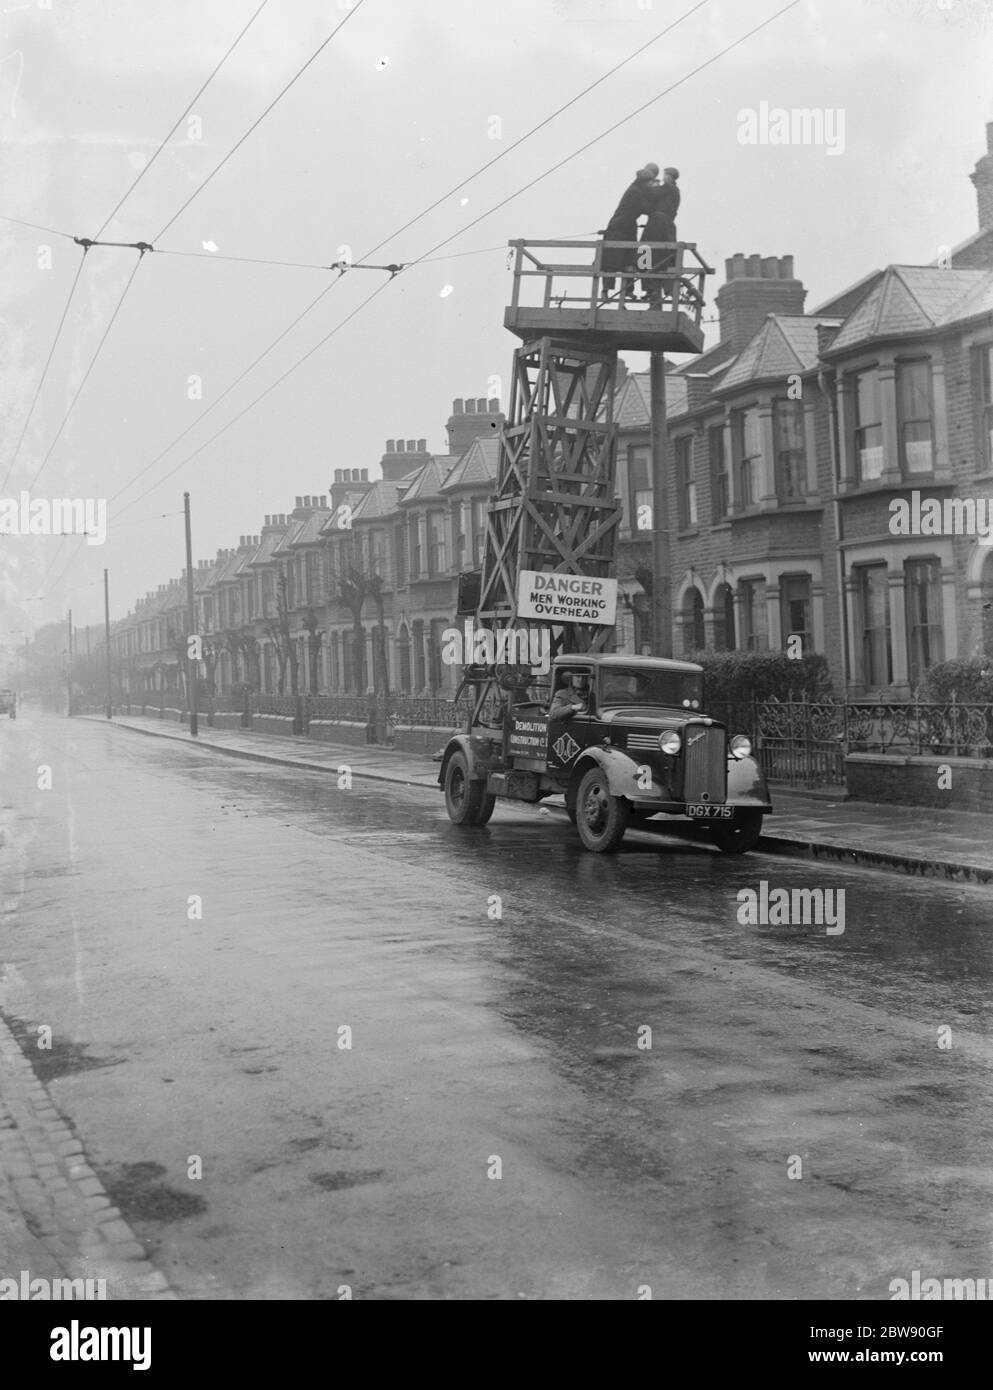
x=711 y=812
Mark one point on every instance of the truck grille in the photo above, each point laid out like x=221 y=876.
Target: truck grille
x=705 y=764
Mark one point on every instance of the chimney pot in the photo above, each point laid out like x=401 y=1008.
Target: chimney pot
x=753 y=267
x=411 y=446
x=422 y=446
x=457 y=407
x=481 y=406
x=400 y=448
x=786 y=267
x=770 y=267
x=470 y=406
x=391 y=446
x=299 y=502
x=365 y=475
x=738 y=266
x=493 y=405
x=324 y=501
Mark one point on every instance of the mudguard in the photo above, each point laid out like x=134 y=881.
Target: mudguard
x=747 y=785
x=459 y=744
x=621 y=770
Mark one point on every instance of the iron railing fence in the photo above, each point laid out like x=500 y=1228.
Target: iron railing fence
x=799 y=742
x=804 y=742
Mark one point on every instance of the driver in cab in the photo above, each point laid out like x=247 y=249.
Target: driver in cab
x=572 y=697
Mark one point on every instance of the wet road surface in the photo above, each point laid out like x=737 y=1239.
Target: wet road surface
x=494 y=1129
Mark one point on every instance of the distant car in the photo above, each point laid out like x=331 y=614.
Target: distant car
x=8 y=703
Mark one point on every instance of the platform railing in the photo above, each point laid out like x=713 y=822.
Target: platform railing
x=681 y=281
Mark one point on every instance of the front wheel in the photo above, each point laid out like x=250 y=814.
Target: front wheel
x=739 y=835
x=601 y=817
x=467 y=802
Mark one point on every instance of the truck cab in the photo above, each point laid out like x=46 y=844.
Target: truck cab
x=618 y=737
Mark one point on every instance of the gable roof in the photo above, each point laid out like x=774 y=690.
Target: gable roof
x=309 y=530
x=785 y=345
x=267 y=547
x=633 y=406
x=909 y=300
x=477 y=466
x=379 y=501
x=845 y=301
x=203 y=577
x=426 y=482
x=713 y=361
x=229 y=567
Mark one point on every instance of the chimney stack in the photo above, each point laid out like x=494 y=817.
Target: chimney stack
x=755 y=287
x=470 y=418
x=982 y=180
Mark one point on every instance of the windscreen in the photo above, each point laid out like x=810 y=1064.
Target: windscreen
x=622 y=685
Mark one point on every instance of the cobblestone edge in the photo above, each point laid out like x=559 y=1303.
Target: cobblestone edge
x=60 y=1198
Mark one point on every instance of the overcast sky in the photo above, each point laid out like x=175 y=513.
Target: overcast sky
x=394 y=112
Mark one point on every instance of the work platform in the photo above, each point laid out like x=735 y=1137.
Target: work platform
x=565 y=299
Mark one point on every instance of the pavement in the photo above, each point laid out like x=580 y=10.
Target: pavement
x=953 y=845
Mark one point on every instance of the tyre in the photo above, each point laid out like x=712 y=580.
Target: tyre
x=740 y=835
x=467 y=802
x=601 y=817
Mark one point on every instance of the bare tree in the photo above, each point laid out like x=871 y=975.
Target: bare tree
x=315 y=637
x=354 y=589
x=278 y=632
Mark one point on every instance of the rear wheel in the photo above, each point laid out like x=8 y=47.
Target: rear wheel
x=601 y=817
x=740 y=835
x=467 y=802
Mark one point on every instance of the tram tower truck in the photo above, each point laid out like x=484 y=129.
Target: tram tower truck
x=554 y=713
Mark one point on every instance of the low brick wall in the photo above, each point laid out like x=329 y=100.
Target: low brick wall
x=225 y=719
x=349 y=731
x=419 y=738
x=272 y=723
x=914 y=781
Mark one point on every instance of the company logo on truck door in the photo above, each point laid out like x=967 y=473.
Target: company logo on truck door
x=566 y=598
x=566 y=747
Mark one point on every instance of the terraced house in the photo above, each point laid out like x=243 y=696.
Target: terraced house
x=790 y=443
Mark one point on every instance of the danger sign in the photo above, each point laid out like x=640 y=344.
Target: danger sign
x=566 y=598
